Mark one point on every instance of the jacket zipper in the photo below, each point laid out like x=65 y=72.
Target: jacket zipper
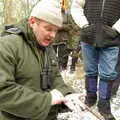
x=100 y=23
x=103 y=5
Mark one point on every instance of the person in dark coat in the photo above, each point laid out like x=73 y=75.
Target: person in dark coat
x=99 y=21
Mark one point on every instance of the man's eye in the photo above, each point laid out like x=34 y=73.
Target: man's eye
x=48 y=29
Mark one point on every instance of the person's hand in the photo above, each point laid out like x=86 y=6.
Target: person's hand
x=109 y=32
x=107 y=37
x=87 y=33
x=73 y=102
x=57 y=97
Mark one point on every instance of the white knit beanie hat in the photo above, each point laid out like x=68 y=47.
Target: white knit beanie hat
x=48 y=10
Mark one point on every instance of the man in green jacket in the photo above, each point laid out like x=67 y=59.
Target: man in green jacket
x=31 y=86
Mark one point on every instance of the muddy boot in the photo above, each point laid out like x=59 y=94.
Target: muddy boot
x=105 y=109
x=91 y=89
x=90 y=99
x=115 y=86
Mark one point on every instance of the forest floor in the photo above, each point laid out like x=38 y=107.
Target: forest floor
x=76 y=80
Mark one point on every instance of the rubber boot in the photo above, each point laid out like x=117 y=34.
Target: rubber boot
x=91 y=89
x=90 y=99
x=105 y=109
x=115 y=86
x=104 y=106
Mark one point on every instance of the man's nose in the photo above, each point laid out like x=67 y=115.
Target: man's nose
x=53 y=33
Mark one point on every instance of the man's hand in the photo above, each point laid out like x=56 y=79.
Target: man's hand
x=57 y=97
x=107 y=37
x=73 y=102
x=109 y=32
x=87 y=33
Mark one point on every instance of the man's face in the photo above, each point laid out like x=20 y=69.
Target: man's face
x=44 y=32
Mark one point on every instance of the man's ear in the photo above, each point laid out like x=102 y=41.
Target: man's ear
x=31 y=21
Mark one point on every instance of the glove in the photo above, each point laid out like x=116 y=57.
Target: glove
x=87 y=33
x=107 y=37
x=109 y=32
x=73 y=102
x=57 y=97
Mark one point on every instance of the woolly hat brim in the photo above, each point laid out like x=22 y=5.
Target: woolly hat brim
x=49 y=11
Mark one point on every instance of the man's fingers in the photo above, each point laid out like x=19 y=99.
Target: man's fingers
x=69 y=105
x=62 y=100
